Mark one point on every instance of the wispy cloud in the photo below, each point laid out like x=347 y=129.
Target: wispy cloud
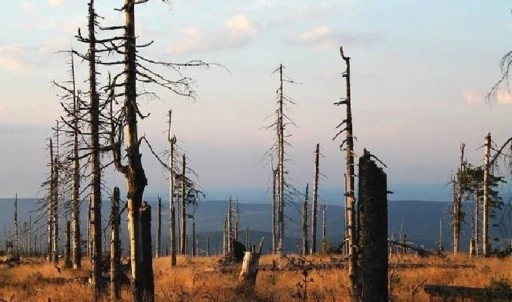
x=323 y=37
x=27 y=5
x=236 y=32
x=11 y=57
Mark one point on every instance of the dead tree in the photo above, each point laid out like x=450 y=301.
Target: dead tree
x=274 y=209
x=305 y=239
x=314 y=206
x=350 y=201
x=16 y=245
x=457 y=201
x=147 y=253
x=373 y=230
x=172 y=213
x=249 y=271
x=115 y=247
x=282 y=120
x=67 y=261
x=183 y=229
x=485 y=197
x=324 y=224
x=158 y=227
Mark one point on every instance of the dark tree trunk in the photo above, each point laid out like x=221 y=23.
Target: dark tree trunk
x=305 y=241
x=183 y=244
x=373 y=230
x=314 y=206
x=158 y=228
x=115 y=247
x=147 y=254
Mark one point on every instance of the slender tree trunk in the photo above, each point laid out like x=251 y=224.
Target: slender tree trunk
x=324 y=223
x=55 y=219
x=51 y=204
x=305 y=240
x=350 y=197
x=16 y=228
x=183 y=245
x=75 y=197
x=172 y=212
x=457 y=201
x=314 y=206
x=280 y=165
x=485 y=200
x=115 y=247
x=158 y=228
x=476 y=224
x=194 y=238
x=29 y=236
x=274 y=209
x=230 y=226
x=94 y=114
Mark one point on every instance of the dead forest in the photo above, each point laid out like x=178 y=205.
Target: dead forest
x=65 y=251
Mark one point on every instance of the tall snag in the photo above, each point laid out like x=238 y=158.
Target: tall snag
x=172 y=212
x=457 y=201
x=314 y=206
x=485 y=197
x=350 y=201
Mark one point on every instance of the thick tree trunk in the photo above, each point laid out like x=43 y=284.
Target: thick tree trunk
x=115 y=247
x=249 y=271
x=314 y=206
x=485 y=200
x=373 y=230
x=147 y=254
x=305 y=240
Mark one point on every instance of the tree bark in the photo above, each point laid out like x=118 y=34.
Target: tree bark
x=485 y=200
x=457 y=202
x=274 y=209
x=280 y=166
x=249 y=271
x=373 y=230
x=314 y=206
x=115 y=247
x=305 y=239
x=183 y=244
x=158 y=228
x=147 y=254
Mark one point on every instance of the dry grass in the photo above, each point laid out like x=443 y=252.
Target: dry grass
x=195 y=280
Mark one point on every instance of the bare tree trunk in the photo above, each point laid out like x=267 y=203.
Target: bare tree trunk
x=225 y=238
x=172 y=141
x=75 y=197
x=280 y=165
x=314 y=206
x=115 y=247
x=173 y=236
x=55 y=219
x=230 y=226
x=158 y=228
x=476 y=225
x=373 y=228
x=324 y=223
x=457 y=201
x=16 y=228
x=249 y=271
x=51 y=206
x=485 y=202
x=350 y=198
x=194 y=238
x=147 y=254
x=183 y=244
x=305 y=241
x=274 y=209
x=67 y=261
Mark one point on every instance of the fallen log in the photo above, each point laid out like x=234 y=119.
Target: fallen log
x=421 y=251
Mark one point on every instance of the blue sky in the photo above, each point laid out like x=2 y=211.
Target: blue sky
x=421 y=70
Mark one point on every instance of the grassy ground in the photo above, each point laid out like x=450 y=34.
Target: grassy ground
x=195 y=279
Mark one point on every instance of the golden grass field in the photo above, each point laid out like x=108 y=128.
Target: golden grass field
x=195 y=279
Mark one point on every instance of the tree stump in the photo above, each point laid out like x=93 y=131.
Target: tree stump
x=250 y=265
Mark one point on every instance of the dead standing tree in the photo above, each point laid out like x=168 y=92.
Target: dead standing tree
x=171 y=138
x=350 y=201
x=457 y=201
x=314 y=206
x=282 y=120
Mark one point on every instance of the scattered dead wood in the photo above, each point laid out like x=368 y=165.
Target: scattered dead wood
x=446 y=293
x=421 y=251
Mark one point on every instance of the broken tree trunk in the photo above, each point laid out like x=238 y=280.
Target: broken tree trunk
x=314 y=206
x=373 y=230
x=115 y=247
x=250 y=265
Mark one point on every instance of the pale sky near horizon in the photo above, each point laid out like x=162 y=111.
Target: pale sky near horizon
x=420 y=70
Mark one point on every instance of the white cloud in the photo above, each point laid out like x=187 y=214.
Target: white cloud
x=237 y=32
x=54 y=3
x=473 y=97
x=27 y=5
x=11 y=58
x=322 y=37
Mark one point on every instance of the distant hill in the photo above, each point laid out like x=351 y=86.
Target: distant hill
x=420 y=220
